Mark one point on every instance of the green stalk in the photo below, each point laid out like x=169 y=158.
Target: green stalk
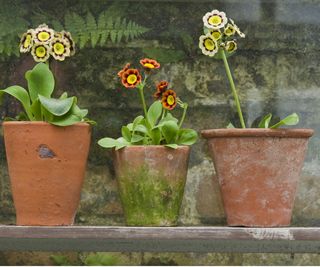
x=233 y=88
x=185 y=107
x=143 y=101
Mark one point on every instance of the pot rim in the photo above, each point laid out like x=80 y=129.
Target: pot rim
x=153 y=146
x=257 y=132
x=43 y=123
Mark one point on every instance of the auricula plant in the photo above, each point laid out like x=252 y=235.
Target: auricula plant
x=44 y=43
x=220 y=42
x=157 y=125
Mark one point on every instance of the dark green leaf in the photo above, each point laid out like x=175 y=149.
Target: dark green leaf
x=156 y=136
x=136 y=138
x=108 y=142
x=40 y=81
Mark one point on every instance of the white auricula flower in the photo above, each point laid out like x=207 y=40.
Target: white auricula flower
x=208 y=45
x=215 y=19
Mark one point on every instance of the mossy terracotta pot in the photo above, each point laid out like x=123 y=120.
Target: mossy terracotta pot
x=46 y=167
x=258 y=171
x=151 y=182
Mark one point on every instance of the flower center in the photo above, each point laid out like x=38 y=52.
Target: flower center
x=170 y=100
x=231 y=47
x=216 y=35
x=58 y=48
x=132 y=78
x=27 y=41
x=215 y=20
x=149 y=65
x=209 y=44
x=41 y=51
x=43 y=36
x=230 y=30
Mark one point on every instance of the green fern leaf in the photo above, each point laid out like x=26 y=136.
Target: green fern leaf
x=92 y=28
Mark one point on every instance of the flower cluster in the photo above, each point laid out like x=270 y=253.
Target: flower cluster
x=44 y=42
x=131 y=78
x=220 y=33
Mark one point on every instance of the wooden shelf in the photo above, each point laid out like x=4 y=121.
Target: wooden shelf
x=160 y=239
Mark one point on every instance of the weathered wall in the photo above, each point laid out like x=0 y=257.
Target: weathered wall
x=276 y=70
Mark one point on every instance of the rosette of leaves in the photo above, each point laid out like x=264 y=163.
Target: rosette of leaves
x=160 y=128
x=38 y=103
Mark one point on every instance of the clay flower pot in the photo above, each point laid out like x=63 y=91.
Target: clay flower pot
x=46 y=167
x=258 y=171
x=151 y=182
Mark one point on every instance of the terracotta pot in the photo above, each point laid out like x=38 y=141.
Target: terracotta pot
x=151 y=182
x=46 y=167
x=258 y=171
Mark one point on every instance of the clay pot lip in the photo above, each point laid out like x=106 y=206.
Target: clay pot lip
x=42 y=123
x=257 y=132
x=161 y=147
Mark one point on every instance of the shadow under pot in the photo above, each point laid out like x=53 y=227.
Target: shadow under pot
x=46 y=167
x=258 y=172
x=151 y=182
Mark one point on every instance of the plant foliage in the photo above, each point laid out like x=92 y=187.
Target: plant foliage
x=38 y=103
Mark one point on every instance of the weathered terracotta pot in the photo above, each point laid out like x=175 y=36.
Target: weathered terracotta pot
x=46 y=167
x=258 y=171
x=151 y=182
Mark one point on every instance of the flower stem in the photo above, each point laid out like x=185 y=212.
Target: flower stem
x=141 y=93
x=185 y=107
x=233 y=89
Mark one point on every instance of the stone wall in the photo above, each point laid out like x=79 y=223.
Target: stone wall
x=276 y=69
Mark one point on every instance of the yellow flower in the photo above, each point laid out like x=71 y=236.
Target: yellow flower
x=215 y=19
x=67 y=36
x=43 y=34
x=208 y=45
x=26 y=41
x=60 y=49
x=229 y=30
x=231 y=46
x=236 y=28
x=40 y=52
x=216 y=34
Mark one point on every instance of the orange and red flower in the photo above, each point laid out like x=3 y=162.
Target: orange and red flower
x=169 y=99
x=125 y=68
x=161 y=87
x=131 y=78
x=149 y=64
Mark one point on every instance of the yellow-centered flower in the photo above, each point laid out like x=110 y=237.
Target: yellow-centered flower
x=60 y=49
x=26 y=41
x=229 y=30
x=208 y=45
x=236 y=28
x=215 y=19
x=67 y=36
x=43 y=34
x=231 y=46
x=40 y=52
x=216 y=34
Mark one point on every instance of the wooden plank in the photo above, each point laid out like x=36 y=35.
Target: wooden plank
x=160 y=239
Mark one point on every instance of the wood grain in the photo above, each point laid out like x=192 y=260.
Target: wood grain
x=160 y=239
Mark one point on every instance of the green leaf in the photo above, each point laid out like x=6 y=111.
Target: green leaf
x=57 y=107
x=136 y=138
x=137 y=121
x=230 y=126
x=121 y=143
x=187 y=137
x=168 y=117
x=126 y=133
x=66 y=120
x=40 y=81
x=154 y=113
x=156 y=136
x=264 y=123
x=64 y=95
x=141 y=128
x=21 y=95
x=108 y=142
x=174 y=146
x=36 y=110
x=170 y=130
x=292 y=119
